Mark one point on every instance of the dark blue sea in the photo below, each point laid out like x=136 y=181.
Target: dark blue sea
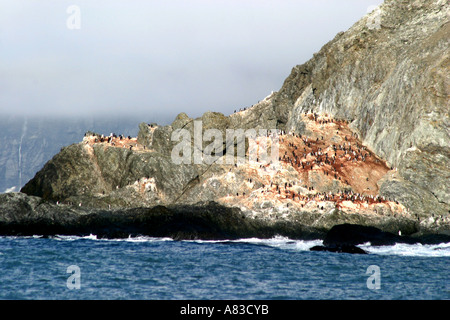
x=80 y=268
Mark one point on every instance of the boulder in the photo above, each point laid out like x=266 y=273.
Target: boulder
x=346 y=237
x=351 y=235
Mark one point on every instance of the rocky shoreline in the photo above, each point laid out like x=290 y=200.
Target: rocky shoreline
x=23 y=215
x=28 y=215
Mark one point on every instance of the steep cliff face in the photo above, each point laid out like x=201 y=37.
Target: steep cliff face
x=389 y=76
x=365 y=139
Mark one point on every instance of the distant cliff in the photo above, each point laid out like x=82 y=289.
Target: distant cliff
x=364 y=140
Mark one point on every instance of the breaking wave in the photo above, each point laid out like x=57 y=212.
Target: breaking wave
x=284 y=243
x=129 y=239
x=413 y=250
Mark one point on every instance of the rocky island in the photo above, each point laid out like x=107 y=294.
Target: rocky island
x=362 y=138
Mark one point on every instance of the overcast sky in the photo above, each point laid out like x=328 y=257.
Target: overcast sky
x=158 y=57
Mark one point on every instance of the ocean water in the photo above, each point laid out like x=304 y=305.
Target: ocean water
x=81 y=268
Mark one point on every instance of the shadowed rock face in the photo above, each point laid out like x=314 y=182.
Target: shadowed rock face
x=365 y=140
x=23 y=215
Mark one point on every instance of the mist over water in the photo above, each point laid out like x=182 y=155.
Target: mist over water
x=175 y=56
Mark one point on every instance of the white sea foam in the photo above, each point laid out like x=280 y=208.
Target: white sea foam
x=277 y=242
x=415 y=250
x=23 y=237
x=9 y=190
x=283 y=243
x=129 y=239
x=145 y=239
x=73 y=238
x=399 y=249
